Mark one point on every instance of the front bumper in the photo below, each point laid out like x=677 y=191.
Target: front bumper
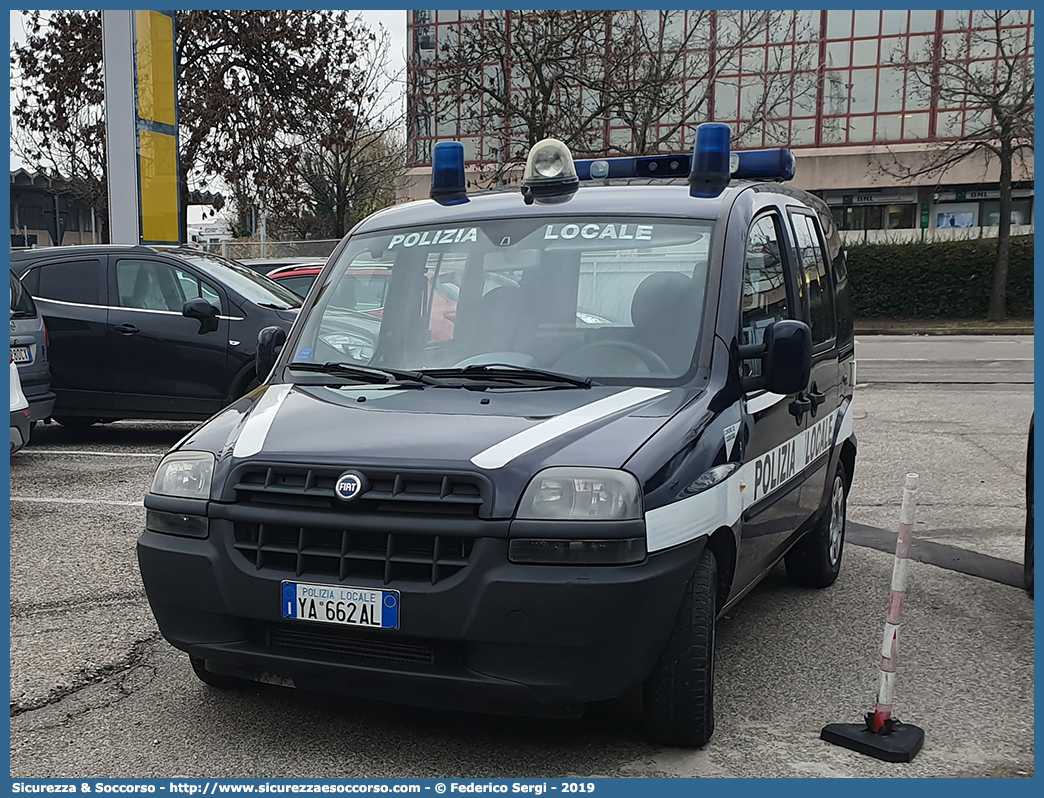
x=19 y=430
x=498 y=637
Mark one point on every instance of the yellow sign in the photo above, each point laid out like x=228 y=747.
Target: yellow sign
x=157 y=100
x=158 y=153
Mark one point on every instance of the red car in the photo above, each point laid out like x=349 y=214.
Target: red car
x=363 y=288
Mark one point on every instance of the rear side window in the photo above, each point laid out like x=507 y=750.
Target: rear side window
x=814 y=277
x=154 y=285
x=22 y=304
x=76 y=281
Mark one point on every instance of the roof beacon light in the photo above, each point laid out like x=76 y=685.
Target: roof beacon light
x=710 y=160
x=550 y=176
x=447 y=174
x=763 y=165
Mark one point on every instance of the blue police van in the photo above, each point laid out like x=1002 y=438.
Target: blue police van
x=586 y=420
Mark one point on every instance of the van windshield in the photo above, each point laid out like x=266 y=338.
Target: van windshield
x=610 y=298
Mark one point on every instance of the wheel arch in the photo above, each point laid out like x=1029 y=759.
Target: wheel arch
x=722 y=543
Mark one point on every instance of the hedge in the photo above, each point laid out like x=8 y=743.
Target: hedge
x=939 y=279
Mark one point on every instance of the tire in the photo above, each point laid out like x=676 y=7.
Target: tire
x=76 y=422
x=218 y=680
x=678 y=697
x=1028 y=563
x=815 y=561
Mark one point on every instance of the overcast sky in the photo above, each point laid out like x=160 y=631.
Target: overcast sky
x=393 y=21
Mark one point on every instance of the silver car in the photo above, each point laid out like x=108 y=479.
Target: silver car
x=29 y=352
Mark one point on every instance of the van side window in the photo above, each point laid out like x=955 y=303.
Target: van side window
x=764 y=287
x=814 y=275
x=76 y=281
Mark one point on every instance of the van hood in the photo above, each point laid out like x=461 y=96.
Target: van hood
x=506 y=434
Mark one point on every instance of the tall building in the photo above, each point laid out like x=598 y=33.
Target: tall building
x=825 y=83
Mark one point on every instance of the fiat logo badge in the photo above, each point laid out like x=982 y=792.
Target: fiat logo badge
x=349 y=486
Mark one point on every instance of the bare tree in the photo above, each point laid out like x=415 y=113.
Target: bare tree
x=613 y=82
x=349 y=162
x=248 y=82
x=526 y=75
x=676 y=65
x=987 y=72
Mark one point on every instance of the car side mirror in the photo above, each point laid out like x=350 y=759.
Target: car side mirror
x=269 y=343
x=785 y=355
x=205 y=313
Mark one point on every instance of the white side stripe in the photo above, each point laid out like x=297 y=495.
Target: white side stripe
x=501 y=454
x=252 y=438
x=723 y=504
x=764 y=401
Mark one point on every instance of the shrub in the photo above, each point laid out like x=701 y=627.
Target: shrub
x=938 y=279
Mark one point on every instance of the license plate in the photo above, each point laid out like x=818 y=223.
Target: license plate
x=20 y=354
x=340 y=605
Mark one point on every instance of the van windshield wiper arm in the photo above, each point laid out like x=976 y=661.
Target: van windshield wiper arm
x=368 y=374
x=510 y=372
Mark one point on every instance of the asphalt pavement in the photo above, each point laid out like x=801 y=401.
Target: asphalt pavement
x=87 y=663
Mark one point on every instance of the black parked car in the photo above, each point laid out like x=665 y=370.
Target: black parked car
x=141 y=332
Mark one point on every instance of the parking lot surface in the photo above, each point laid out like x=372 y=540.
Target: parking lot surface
x=87 y=662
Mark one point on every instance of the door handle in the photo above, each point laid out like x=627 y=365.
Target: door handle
x=816 y=398
x=799 y=407
x=126 y=329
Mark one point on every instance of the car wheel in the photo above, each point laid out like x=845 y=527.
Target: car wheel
x=218 y=680
x=815 y=561
x=76 y=422
x=678 y=697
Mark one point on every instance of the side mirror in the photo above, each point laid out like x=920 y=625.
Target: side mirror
x=269 y=342
x=205 y=313
x=786 y=358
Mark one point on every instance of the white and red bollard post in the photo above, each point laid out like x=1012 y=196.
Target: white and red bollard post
x=890 y=644
x=882 y=736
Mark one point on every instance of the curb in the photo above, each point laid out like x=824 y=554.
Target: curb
x=915 y=330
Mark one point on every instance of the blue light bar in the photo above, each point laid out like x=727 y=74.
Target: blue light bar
x=765 y=165
x=710 y=160
x=448 y=186
x=750 y=165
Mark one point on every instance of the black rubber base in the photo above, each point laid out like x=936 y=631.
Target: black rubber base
x=901 y=745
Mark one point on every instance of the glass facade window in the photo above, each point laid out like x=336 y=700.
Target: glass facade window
x=863 y=96
x=875 y=217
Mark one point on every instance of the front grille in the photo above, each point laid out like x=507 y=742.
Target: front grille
x=348 y=644
x=348 y=554
x=304 y=487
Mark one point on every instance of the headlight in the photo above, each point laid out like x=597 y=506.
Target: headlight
x=185 y=474
x=581 y=494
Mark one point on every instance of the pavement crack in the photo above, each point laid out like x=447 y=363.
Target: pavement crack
x=86 y=677
x=26 y=609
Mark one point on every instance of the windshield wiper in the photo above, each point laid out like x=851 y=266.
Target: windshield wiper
x=500 y=371
x=374 y=376
x=276 y=307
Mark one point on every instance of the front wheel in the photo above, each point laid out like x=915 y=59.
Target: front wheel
x=678 y=697
x=815 y=561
